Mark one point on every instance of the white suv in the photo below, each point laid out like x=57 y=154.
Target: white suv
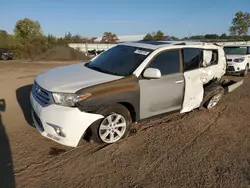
x=125 y=84
x=238 y=58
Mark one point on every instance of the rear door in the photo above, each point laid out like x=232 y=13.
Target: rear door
x=200 y=67
x=165 y=94
x=193 y=74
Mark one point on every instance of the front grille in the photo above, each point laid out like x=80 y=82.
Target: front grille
x=229 y=60
x=38 y=121
x=230 y=68
x=43 y=97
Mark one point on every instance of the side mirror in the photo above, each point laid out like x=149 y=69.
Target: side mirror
x=152 y=73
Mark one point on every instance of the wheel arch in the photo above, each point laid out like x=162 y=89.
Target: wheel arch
x=92 y=133
x=210 y=89
x=131 y=110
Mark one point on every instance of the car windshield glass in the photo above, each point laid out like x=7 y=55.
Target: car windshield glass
x=120 y=60
x=236 y=50
x=6 y=50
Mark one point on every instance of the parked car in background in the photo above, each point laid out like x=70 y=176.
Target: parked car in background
x=6 y=54
x=93 y=53
x=125 y=84
x=238 y=58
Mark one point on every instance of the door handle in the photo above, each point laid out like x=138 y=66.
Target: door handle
x=179 y=81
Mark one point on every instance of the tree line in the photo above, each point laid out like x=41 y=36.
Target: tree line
x=237 y=31
x=28 y=40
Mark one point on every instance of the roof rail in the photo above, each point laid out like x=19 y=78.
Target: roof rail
x=194 y=42
x=183 y=43
x=217 y=44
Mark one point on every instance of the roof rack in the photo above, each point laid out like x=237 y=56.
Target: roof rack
x=182 y=43
x=155 y=42
x=161 y=42
x=217 y=44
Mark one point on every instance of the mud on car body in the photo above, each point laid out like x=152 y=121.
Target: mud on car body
x=125 y=84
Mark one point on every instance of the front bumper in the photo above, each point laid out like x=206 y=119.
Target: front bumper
x=61 y=124
x=235 y=68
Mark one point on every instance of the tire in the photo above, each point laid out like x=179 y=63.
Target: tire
x=3 y=57
x=245 y=71
x=102 y=131
x=212 y=96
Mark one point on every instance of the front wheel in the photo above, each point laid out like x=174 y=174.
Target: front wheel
x=114 y=126
x=245 y=71
x=3 y=57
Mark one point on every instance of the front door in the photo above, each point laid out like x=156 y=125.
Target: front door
x=165 y=94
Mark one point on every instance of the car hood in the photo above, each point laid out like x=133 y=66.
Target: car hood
x=71 y=78
x=234 y=56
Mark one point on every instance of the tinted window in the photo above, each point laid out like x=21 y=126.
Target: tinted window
x=215 y=56
x=235 y=50
x=167 y=62
x=248 y=50
x=120 y=60
x=192 y=57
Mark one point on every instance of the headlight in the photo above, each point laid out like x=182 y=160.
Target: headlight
x=66 y=99
x=239 y=60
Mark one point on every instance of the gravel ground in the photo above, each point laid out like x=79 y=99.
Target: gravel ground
x=197 y=149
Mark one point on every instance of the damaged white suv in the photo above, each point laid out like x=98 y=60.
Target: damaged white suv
x=125 y=84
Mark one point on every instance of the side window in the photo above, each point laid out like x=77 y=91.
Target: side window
x=167 y=62
x=210 y=57
x=215 y=57
x=248 y=50
x=192 y=58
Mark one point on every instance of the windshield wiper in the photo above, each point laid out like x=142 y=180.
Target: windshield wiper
x=99 y=69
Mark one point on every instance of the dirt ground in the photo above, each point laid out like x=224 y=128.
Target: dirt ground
x=198 y=149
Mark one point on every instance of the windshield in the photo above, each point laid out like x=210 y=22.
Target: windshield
x=236 y=50
x=5 y=50
x=120 y=60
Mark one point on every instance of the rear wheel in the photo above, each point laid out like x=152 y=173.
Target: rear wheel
x=212 y=95
x=114 y=126
x=213 y=101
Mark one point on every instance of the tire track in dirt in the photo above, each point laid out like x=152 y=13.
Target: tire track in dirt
x=203 y=131
x=174 y=160
x=60 y=156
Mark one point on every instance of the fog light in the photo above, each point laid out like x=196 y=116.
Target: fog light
x=238 y=68
x=58 y=130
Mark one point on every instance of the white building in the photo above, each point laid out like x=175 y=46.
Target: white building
x=125 y=38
